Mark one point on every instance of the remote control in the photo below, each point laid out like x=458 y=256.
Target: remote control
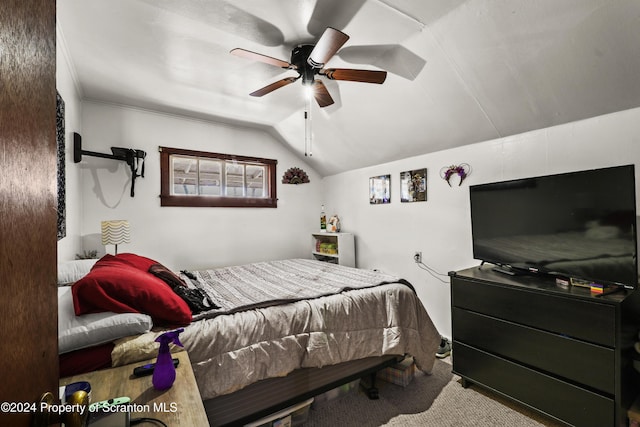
x=109 y=402
x=144 y=370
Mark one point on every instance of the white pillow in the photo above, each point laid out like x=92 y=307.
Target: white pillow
x=72 y=271
x=76 y=332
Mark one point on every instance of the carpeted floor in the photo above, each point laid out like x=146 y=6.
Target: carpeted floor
x=430 y=400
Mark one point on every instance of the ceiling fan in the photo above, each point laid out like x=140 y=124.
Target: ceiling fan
x=308 y=60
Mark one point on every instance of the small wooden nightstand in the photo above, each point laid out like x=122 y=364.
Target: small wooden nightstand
x=181 y=405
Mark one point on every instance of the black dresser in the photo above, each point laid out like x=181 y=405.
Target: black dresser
x=561 y=351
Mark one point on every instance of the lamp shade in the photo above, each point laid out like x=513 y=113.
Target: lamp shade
x=115 y=232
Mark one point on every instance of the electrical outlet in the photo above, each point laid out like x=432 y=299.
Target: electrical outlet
x=417 y=257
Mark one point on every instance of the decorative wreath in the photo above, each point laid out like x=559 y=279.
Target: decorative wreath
x=462 y=170
x=295 y=176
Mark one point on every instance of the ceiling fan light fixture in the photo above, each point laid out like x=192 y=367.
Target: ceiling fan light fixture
x=308 y=91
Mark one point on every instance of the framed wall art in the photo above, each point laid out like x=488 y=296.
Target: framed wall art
x=413 y=186
x=380 y=189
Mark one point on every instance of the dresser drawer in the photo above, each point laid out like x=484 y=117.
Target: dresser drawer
x=580 y=362
x=574 y=405
x=573 y=317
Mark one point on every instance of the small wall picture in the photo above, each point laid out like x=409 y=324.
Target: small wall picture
x=380 y=189
x=413 y=186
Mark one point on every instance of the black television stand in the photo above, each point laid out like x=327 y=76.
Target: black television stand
x=559 y=350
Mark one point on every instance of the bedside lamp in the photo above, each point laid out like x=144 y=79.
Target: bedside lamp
x=115 y=232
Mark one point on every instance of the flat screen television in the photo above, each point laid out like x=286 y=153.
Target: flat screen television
x=578 y=225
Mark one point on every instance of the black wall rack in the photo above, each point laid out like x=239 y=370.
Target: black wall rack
x=134 y=158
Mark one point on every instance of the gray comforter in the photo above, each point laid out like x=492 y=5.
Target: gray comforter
x=229 y=352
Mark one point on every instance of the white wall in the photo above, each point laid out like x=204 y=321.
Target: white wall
x=189 y=237
x=70 y=245
x=388 y=235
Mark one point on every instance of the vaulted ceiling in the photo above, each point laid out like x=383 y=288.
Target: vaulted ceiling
x=459 y=71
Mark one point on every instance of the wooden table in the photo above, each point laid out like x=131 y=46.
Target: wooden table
x=181 y=405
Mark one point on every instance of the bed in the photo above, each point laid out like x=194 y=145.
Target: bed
x=272 y=333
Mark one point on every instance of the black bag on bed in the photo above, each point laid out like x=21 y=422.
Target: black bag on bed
x=196 y=299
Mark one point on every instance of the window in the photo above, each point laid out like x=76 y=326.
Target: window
x=198 y=178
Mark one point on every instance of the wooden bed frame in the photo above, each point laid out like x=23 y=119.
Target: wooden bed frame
x=272 y=395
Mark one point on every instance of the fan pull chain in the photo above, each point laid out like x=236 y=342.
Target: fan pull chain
x=307 y=128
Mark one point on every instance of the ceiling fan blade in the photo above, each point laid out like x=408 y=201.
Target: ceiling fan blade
x=330 y=42
x=243 y=53
x=321 y=94
x=394 y=58
x=273 y=86
x=364 y=76
x=337 y=13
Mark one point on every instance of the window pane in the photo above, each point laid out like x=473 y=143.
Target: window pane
x=184 y=175
x=210 y=177
x=255 y=181
x=235 y=179
x=214 y=179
